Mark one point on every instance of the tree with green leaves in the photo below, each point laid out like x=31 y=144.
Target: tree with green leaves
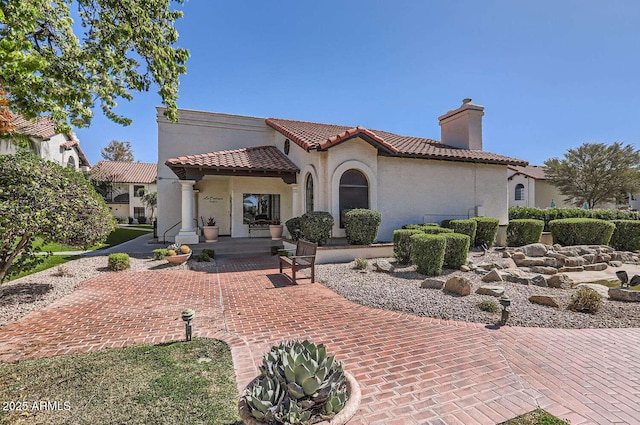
x=117 y=151
x=149 y=200
x=596 y=173
x=50 y=66
x=39 y=198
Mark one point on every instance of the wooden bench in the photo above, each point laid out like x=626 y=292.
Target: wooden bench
x=305 y=258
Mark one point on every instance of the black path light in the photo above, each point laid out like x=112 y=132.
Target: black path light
x=623 y=277
x=187 y=315
x=505 y=302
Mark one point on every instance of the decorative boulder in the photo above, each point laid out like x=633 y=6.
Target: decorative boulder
x=574 y=262
x=494 y=291
x=559 y=280
x=619 y=294
x=528 y=279
x=535 y=250
x=544 y=269
x=458 y=285
x=383 y=266
x=432 y=283
x=544 y=300
x=493 y=276
x=595 y=267
x=571 y=269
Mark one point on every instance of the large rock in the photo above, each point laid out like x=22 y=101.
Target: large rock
x=544 y=300
x=530 y=261
x=574 y=262
x=503 y=263
x=518 y=256
x=544 y=269
x=550 y=262
x=383 y=266
x=535 y=250
x=493 y=276
x=465 y=268
x=431 y=283
x=556 y=255
x=589 y=258
x=458 y=285
x=602 y=258
x=494 y=291
x=595 y=267
x=619 y=294
x=614 y=263
x=559 y=280
x=528 y=279
x=571 y=269
x=600 y=289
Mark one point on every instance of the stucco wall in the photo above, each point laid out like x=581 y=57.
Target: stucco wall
x=529 y=190
x=545 y=192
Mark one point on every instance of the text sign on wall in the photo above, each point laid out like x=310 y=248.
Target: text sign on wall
x=213 y=199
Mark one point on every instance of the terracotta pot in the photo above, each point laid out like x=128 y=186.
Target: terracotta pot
x=177 y=259
x=211 y=233
x=276 y=231
x=350 y=408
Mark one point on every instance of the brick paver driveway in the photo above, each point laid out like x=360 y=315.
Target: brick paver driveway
x=412 y=370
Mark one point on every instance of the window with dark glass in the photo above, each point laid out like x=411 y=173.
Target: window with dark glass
x=519 y=192
x=138 y=212
x=260 y=207
x=71 y=163
x=309 y=193
x=354 y=192
x=136 y=191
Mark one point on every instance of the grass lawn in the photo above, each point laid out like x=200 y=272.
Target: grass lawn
x=535 y=417
x=116 y=237
x=176 y=383
x=51 y=261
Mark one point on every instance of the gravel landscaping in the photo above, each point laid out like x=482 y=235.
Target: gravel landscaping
x=401 y=291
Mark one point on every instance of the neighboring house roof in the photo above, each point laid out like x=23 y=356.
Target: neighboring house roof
x=42 y=127
x=317 y=136
x=253 y=159
x=74 y=143
x=125 y=172
x=536 y=172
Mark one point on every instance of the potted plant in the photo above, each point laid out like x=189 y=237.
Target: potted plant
x=275 y=228
x=177 y=254
x=210 y=229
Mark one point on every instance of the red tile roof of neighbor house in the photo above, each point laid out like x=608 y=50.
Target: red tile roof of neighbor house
x=317 y=136
x=125 y=172
x=42 y=127
x=259 y=158
x=536 y=172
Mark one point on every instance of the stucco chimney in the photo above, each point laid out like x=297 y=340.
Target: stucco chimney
x=462 y=127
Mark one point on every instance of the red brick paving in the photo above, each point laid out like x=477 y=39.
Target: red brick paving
x=412 y=370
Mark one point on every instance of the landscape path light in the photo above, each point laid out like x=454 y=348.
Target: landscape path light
x=187 y=315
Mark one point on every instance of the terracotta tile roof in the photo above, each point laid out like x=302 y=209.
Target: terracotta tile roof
x=317 y=136
x=42 y=127
x=259 y=158
x=125 y=172
x=536 y=172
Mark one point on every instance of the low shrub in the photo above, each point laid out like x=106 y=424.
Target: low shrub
x=457 y=249
x=118 y=262
x=361 y=264
x=142 y=220
x=586 y=300
x=402 y=244
x=435 y=230
x=158 y=254
x=486 y=231
x=210 y=252
x=524 y=232
x=361 y=226
x=427 y=253
x=316 y=226
x=122 y=219
x=294 y=227
x=466 y=227
x=626 y=235
x=203 y=257
x=130 y=220
x=581 y=231
x=275 y=249
x=549 y=214
x=62 y=271
x=412 y=226
x=489 y=306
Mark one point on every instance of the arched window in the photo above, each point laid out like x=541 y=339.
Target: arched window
x=519 y=192
x=71 y=163
x=354 y=192
x=308 y=193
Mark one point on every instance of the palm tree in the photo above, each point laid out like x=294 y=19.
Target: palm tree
x=149 y=200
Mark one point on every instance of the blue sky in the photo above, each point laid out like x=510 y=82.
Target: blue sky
x=551 y=74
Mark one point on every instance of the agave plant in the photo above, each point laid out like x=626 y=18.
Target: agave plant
x=263 y=398
x=290 y=413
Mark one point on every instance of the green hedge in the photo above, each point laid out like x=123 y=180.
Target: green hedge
x=361 y=226
x=486 y=231
x=466 y=227
x=118 y=261
x=316 y=226
x=457 y=249
x=294 y=227
x=435 y=230
x=524 y=231
x=427 y=253
x=402 y=244
x=581 y=231
x=549 y=214
x=626 y=236
x=418 y=226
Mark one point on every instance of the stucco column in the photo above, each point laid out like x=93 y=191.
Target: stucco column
x=195 y=209
x=187 y=234
x=295 y=197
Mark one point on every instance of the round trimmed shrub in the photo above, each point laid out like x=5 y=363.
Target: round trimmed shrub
x=466 y=227
x=402 y=244
x=316 y=226
x=626 y=235
x=118 y=262
x=524 y=232
x=581 y=231
x=294 y=227
x=361 y=226
x=456 y=250
x=412 y=226
x=427 y=253
x=435 y=230
x=486 y=231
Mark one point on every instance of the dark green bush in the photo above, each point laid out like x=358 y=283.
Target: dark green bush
x=294 y=226
x=435 y=230
x=412 y=226
x=142 y=220
x=549 y=214
x=361 y=226
x=210 y=252
x=626 y=236
x=586 y=300
x=203 y=257
x=524 y=231
x=581 y=231
x=486 y=231
x=158 y=254
x=457 y=249
x=402 y=244
x=316 y=226
x=118 y=261
x=466 y=227
x=427 y=253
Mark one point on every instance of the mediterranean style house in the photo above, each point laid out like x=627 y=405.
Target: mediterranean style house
x=119 y=183
x=63 y=149
x=241 y=169
x=528 y=187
